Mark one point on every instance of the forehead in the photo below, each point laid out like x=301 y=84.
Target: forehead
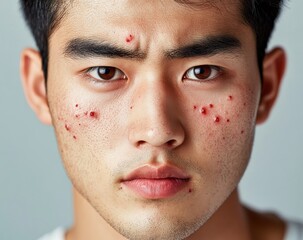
x=158 y=23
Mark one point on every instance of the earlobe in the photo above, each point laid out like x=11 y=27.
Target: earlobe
x=34 y=84
x=273 y=70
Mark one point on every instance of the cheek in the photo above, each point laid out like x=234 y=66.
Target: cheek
x=229 y=117
x=75 y=119
x=225 y=135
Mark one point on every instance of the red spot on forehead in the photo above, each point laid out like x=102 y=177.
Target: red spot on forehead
x=211 y=105
x=228 y=120
x=77 y=105
x=129 y=38
x=195 y=107
x=230 y=97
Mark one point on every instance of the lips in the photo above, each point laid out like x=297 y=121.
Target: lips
x=152 y=182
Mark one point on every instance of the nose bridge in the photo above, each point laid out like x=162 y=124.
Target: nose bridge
x=154 y=119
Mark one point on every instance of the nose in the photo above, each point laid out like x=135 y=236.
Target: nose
x=155 y=117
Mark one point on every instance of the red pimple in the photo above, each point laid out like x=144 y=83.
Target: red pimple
x=67 y=127
x=242 y=131
x=230 y=97
x=74 y=137
x=203 y=111
x=189 y=190
x=129 y=38
x=93 y=114
x=195 y=107
x=217 y=119
x=77 y=105
x=228 y=120
x=211 y=105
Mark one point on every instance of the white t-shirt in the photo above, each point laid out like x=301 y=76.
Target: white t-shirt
x=294 y=232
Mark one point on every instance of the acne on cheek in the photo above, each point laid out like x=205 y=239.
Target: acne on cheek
x=209 y=111
x=80 y=119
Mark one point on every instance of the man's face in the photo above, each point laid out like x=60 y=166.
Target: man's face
x=180 y=94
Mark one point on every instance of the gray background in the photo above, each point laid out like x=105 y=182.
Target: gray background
x=35 y=194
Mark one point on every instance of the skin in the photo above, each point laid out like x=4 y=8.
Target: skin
x=153 y=116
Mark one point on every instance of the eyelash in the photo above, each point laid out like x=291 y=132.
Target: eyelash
x=88 y=73
x=187 y=75
x=215 y=72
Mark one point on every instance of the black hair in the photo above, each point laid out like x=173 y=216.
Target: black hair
x=43 y=17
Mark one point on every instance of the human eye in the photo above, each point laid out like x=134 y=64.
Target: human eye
x=202 y=73
x=105 y=73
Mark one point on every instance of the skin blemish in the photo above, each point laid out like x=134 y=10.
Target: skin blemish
x=129 y=38
x=86 y=113
x=230 y=97
x=242 y=131
x=217 y=119
x=77 y=115
x=228 y=120
x=77 y=105
x=195 y=107
x=67 y=127
x=74 y=137
x=189 y=190
x=93 y=114
x=203 y=110
x=211 y=105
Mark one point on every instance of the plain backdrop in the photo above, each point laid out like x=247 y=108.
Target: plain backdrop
x=35 y=194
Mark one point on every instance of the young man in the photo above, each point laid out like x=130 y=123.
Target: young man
x=154 y=106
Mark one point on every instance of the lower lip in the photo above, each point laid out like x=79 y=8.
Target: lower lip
x=156 y=188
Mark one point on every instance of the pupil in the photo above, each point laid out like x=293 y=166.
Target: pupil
x=202 y=72
x=106 y=72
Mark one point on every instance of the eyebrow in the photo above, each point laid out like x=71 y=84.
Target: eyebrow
x=205 y=47
x=86 y=48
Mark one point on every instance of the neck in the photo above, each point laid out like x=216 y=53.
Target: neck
x=230 y=222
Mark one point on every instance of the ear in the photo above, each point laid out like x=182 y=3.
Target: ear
x=273 y=70
x=34 y=84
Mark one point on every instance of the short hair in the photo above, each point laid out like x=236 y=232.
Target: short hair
x=43 y=17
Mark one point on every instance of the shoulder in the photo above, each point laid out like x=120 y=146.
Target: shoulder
x=266 y=226
x=269 y=226
x=57 y=234
x=294 y=230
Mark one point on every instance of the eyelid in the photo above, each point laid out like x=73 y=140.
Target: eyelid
x=219 y=71
x=88 y=74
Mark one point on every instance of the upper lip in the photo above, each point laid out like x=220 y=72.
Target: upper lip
x=154 y=172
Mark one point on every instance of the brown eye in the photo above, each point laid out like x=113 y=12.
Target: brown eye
x=106 y=73
x=203 y=72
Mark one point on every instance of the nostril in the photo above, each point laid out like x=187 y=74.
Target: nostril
x=171 y=143
x=140 y=143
